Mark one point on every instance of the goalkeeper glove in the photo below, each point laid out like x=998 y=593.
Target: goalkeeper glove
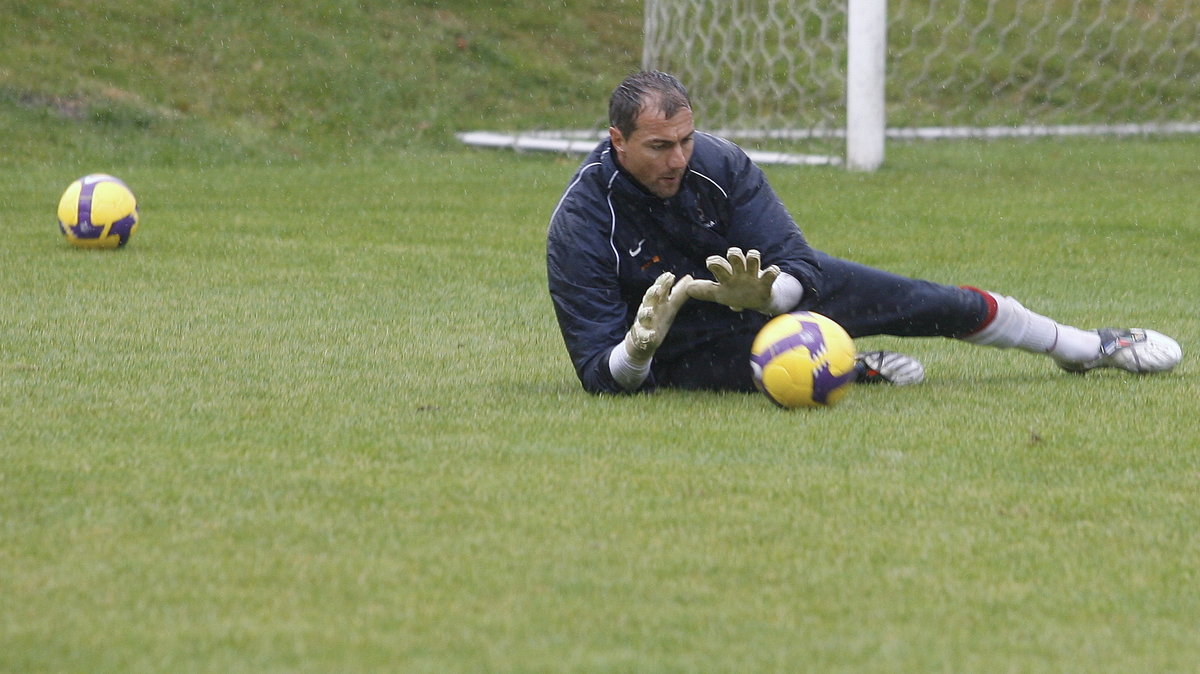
x=662 y=301
x=741 y=282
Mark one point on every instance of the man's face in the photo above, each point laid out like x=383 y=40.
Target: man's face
x=658 y=151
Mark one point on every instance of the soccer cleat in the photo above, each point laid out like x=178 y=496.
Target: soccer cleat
x=1132 y=350
x=888 y=367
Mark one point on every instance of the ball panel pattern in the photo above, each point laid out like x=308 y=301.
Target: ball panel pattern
x=803 y=359
x=98 y=211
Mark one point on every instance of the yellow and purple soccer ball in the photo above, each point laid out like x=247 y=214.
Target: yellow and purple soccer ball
x=803 y=359
x=98 y=211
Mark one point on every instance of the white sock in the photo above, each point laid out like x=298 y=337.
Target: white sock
x=1014 y=326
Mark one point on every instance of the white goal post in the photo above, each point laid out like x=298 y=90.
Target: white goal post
x=866 y=82
x=821 y=72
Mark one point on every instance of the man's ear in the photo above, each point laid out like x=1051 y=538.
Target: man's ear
x=618 y=140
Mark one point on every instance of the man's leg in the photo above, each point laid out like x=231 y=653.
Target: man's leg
x=1135 y=350
x=868 y=301
x=724 y=365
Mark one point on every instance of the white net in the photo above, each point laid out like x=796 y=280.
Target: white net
x=777 y=68
x=753 y=66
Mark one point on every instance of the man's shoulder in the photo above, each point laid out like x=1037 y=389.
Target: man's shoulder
x=585 y=193
x=719 y=161
x=717 y=155
x=713 y=143
x=594 y=173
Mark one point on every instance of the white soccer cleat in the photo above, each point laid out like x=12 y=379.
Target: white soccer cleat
x=1133 y=350
x=888 y=367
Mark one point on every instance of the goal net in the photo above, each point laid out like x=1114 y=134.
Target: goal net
x=773 y=73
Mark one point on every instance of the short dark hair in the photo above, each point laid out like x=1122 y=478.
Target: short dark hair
x=636 y=92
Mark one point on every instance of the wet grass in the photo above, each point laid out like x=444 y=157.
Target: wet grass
x=209 y=82
x=318 y=417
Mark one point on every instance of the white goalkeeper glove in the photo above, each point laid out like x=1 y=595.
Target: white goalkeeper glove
x=741 y=282
x=660 y=304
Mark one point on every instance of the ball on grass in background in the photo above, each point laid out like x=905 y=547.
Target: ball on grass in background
x=98 y=211
x=803 y=359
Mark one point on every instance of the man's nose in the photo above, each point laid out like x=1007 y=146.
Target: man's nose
x=677 y=159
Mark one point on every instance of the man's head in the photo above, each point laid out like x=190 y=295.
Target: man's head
x=652 y=130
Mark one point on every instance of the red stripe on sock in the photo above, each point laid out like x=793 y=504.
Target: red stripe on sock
x=991 y=309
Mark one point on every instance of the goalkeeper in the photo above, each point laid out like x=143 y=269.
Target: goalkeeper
x=669 y=250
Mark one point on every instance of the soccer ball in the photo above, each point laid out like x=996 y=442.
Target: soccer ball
x=803 y=359
x=98 y=211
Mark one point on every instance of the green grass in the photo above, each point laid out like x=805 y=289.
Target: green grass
x=317 y=417
x=204 y=81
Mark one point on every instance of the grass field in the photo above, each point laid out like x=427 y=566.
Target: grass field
x=197 y=81
x=317 y=417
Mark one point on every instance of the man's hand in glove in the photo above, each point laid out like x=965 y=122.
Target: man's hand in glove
x=741 y=282
x=661 y=302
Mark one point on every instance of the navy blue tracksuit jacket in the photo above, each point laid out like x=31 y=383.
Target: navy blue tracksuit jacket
x=609 y=239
